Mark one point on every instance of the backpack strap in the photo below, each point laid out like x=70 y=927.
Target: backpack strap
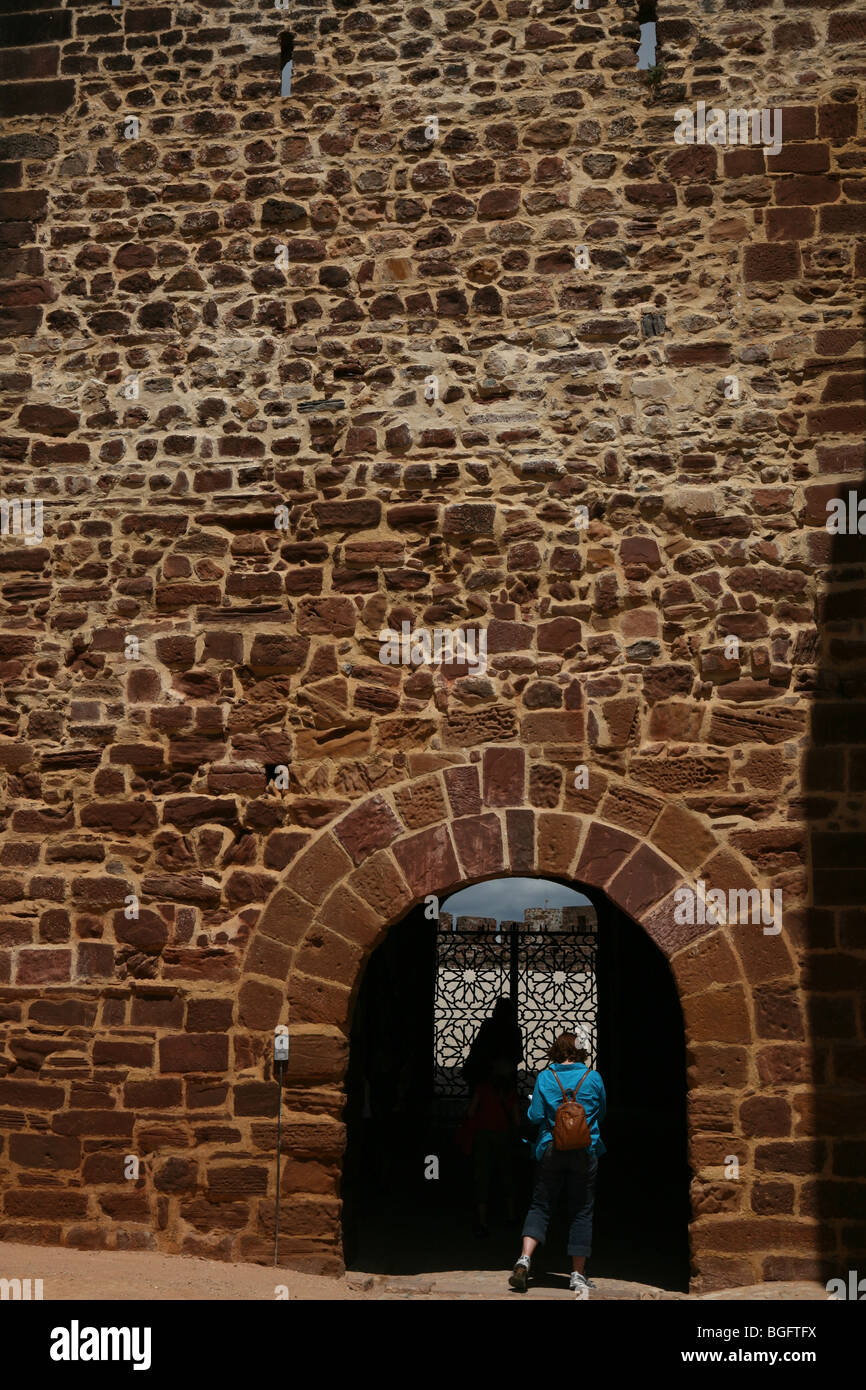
x=582 y=1079
x=577 y=1087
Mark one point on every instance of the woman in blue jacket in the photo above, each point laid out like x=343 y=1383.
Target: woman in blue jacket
x=572 y=1171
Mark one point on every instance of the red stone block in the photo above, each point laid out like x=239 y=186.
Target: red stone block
x=798 y=122
x=520 y=829
x=479 y=844
x=695 y=354
x=603 y=854
x=125 y=1206
x=40 y=98
x=428 y=862
x=653 y=195
x=209 y=1015
x=351 y=917
x=778 y=1012
x=243 y=886
x=549 y=133
x=800 y=159
x=469 y=519
x=205 y=1094
x=256 y=1098
x=345 y=516
x=765 y=1117
x=692 y=162
x=228 y=1182
x=380 y=885
x=313 y=1000
x=545 y=786
x=498 y=203
x=95 y=961
x=562 y=727
x=268 y=957
x=318 y=869
x=334 y=617
x=282 y=847
x=742 y=162
x=94 y=1123
x=848 y=28
x=711 y=1068
x=61 y=1205
x=318 y=1055
x=765 y=1233
x=643 y=881
x=837 y=420
x=421 y=804
x=714 y=1273
x=504 y=771
x=30 y=1095
x=848 y=387
x=371 y=826
x=778 y=260
x=113 y=1052
x=718 y=1016
x=328 y=956
x=794 y=36
x=508 y=637
x=799 y=1156
x=48 y=419
x=538 y=36
x=260 y=1005
x=193 y=1052
x=837 y=121
x=790 y=224
x=159 y=1094
x=41 y=966
x=133 y=817
x=805 y=188
x=777 y=1199
x=557 y=841
x=844 y=219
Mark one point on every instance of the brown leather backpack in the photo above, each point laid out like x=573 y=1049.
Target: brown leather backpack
x=570 y=1128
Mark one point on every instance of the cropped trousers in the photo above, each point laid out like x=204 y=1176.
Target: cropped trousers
x=572 y=1172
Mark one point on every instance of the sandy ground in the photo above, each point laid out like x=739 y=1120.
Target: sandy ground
x=120 y=1275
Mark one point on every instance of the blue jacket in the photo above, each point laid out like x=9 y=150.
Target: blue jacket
x=547 y=1096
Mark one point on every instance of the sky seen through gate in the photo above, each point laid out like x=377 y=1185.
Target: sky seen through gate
x=507 y=898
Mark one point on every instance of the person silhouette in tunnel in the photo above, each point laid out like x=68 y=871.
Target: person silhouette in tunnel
x=498 y=1039
x=492 y=1120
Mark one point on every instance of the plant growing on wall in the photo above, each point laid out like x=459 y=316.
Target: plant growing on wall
x=654 y=77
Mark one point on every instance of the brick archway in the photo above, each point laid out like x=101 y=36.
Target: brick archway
x=444 y=829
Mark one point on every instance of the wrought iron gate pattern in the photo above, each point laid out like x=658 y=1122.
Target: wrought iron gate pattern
x=551 y=973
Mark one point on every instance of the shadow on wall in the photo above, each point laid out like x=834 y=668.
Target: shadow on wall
x=829 y=1142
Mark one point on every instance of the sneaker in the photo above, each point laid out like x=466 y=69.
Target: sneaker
x=519 y=1276
x=580 y=1285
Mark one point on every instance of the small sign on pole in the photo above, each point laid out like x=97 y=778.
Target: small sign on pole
x=281 y=1057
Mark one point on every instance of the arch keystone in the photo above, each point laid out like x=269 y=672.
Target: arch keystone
x=428 y=861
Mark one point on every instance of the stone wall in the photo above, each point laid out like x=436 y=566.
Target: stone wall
x=277 y=280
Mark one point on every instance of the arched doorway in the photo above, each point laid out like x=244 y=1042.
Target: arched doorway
x=407 y=1189
x=353 y=884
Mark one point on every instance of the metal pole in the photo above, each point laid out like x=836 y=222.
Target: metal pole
x=281 y=1066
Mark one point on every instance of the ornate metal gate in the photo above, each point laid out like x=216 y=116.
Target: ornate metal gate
x=548 y=970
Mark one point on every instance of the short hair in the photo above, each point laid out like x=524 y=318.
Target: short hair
x=567 y=1049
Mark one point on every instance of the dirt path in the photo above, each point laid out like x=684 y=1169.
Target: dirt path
x=120 y=1275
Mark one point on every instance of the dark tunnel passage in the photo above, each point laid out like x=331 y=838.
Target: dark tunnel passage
x=399 y=1221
